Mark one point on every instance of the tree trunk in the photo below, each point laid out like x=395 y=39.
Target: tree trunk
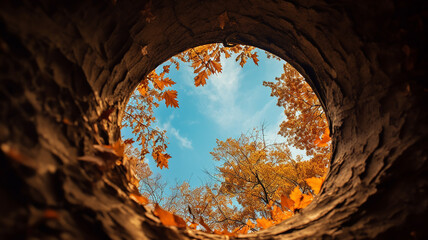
x=64 y=63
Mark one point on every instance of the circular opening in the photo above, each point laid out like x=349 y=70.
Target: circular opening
x=262 y=172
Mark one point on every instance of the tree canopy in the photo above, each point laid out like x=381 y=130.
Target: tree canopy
x=258 y=183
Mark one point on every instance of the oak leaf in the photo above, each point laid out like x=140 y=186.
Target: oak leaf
x=161 y=159
x=216 y=66
x=200 y=79
x=170 y=98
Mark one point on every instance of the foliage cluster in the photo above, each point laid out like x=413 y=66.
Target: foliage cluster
x=259 y=183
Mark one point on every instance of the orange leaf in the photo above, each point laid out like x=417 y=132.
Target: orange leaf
x=179 y=221
x=278 y=215
x=287 y=203
x=255 y=59
x=119 y=148
x=200 y=79
x=315 y=183
x=250 y=224
x=223 y=20
x=167 y=82
x=300 y=200
x=162 y=83
x=142 y=89
x=167 y=218
x=144 y=50
x=264 y=223
x=325 y=139
x=158 y=84
x=138 y=198
x=170 y=97
x=306 y=200
x=161 y=159
x=296 y=196
x=166 y=68
x=216 y=66
x=129 y=141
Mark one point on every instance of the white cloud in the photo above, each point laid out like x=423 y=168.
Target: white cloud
x=218 y=99
x=184 y=142
x=233 y=109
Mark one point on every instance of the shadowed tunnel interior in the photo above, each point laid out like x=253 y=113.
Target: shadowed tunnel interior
x=64 y=63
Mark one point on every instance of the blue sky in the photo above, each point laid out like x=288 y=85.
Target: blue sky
x=231 y=103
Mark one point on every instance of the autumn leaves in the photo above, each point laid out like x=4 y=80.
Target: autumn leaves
x=156 y=87
x=264 y=179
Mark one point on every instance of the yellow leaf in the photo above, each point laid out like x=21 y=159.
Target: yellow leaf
x=278 y=215
x=315 y=183
x=300 y=200
x=170 y=98
x=250 y=224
